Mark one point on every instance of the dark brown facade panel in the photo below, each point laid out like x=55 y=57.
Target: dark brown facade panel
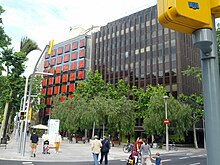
x=137 y=49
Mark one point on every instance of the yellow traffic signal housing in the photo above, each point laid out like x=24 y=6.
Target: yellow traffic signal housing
x=184 y=15
x=30 y=114
x=50 y=47
x=215 y=8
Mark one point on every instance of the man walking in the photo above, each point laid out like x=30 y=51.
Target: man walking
x=105 y=150
x=96 y=147
x=146 y=153
x=34 y=142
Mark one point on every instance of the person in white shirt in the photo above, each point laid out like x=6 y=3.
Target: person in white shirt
x=96 y=149
x=57 y=142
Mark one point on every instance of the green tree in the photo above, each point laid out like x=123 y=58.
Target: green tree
x=179 y=116
x=13 y=64
x=99 y=103
x=196 y=103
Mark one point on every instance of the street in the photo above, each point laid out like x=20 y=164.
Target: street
x=183 y=158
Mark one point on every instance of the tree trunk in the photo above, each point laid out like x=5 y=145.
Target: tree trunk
x=194 y=136
x=93 y=130
x=3 y=126
x=103 y=130
x=5 y=118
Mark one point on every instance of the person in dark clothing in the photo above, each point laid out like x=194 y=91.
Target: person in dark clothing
x=34 y=142
x=105 y=150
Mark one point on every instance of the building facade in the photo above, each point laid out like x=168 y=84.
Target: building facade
x=137 y=49
x=68 y=63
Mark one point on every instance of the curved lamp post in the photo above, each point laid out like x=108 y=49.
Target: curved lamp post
x=30 y=90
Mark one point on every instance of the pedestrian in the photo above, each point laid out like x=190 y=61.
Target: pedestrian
x=96 y=147
x=136 y=149
x=34 y=142
x=44 y=137
x=57 y=142
x=145 y=153
x=158 y=160
x=105 y=149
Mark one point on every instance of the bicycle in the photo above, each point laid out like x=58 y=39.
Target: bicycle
x=173 y=147
x=128 y=147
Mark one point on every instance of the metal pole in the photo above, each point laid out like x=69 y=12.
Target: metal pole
x=20 y=137
x=167 y=129
x=211 y=88
x=23 y=109
x=204 y=132
x=28 y=101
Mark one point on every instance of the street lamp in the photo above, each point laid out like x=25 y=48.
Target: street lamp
x=167 y=134
x=27 y=107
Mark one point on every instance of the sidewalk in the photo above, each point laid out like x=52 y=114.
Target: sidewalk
x=69 y=152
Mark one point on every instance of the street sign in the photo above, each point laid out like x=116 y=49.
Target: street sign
x=166 y=121
x=185 y=16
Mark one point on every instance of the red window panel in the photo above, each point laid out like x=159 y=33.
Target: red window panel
x=52 y=62
x=67 y=48
x=80 y=75
x=46 y=55
x=59 y=60
x=63 y=88
x=62 y=98
x=57 y=79
x=50 y=81
x=81 y=64
x=43 y=91
x=48 y=102
x=66 y=57
x=44 y=82
x=56 y=90
x=46 y=71
x=71 y=87
x=70 y=96
x=82 y=53
x=82 y=43
x=49 y=91
x=74 y=56
x=64 y=78
x=73 y=66
x=74 y=45
x=65 y=67
x=46 y=64
x=58 y=69
x=48 y=111
x=51 y=70
x=60 y=50
x=72 y=77
x=53 y=53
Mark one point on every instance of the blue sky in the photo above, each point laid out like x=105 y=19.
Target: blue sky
x=43 y=20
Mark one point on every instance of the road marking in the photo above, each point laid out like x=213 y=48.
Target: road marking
x=184 y=158
x=195 y=163
x=166 y=160
x=27 y=163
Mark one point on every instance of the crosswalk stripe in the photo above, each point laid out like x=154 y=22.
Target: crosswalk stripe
x=195 y=163
x=184 y=158
x=27 y=163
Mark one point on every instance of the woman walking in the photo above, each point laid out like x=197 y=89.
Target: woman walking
x=57 y=141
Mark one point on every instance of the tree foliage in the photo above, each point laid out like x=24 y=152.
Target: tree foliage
x=95 y=101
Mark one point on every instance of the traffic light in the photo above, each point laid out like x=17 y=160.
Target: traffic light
x=22 y=115
x=215 y=8
x=184 y=16
x=50 y=47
